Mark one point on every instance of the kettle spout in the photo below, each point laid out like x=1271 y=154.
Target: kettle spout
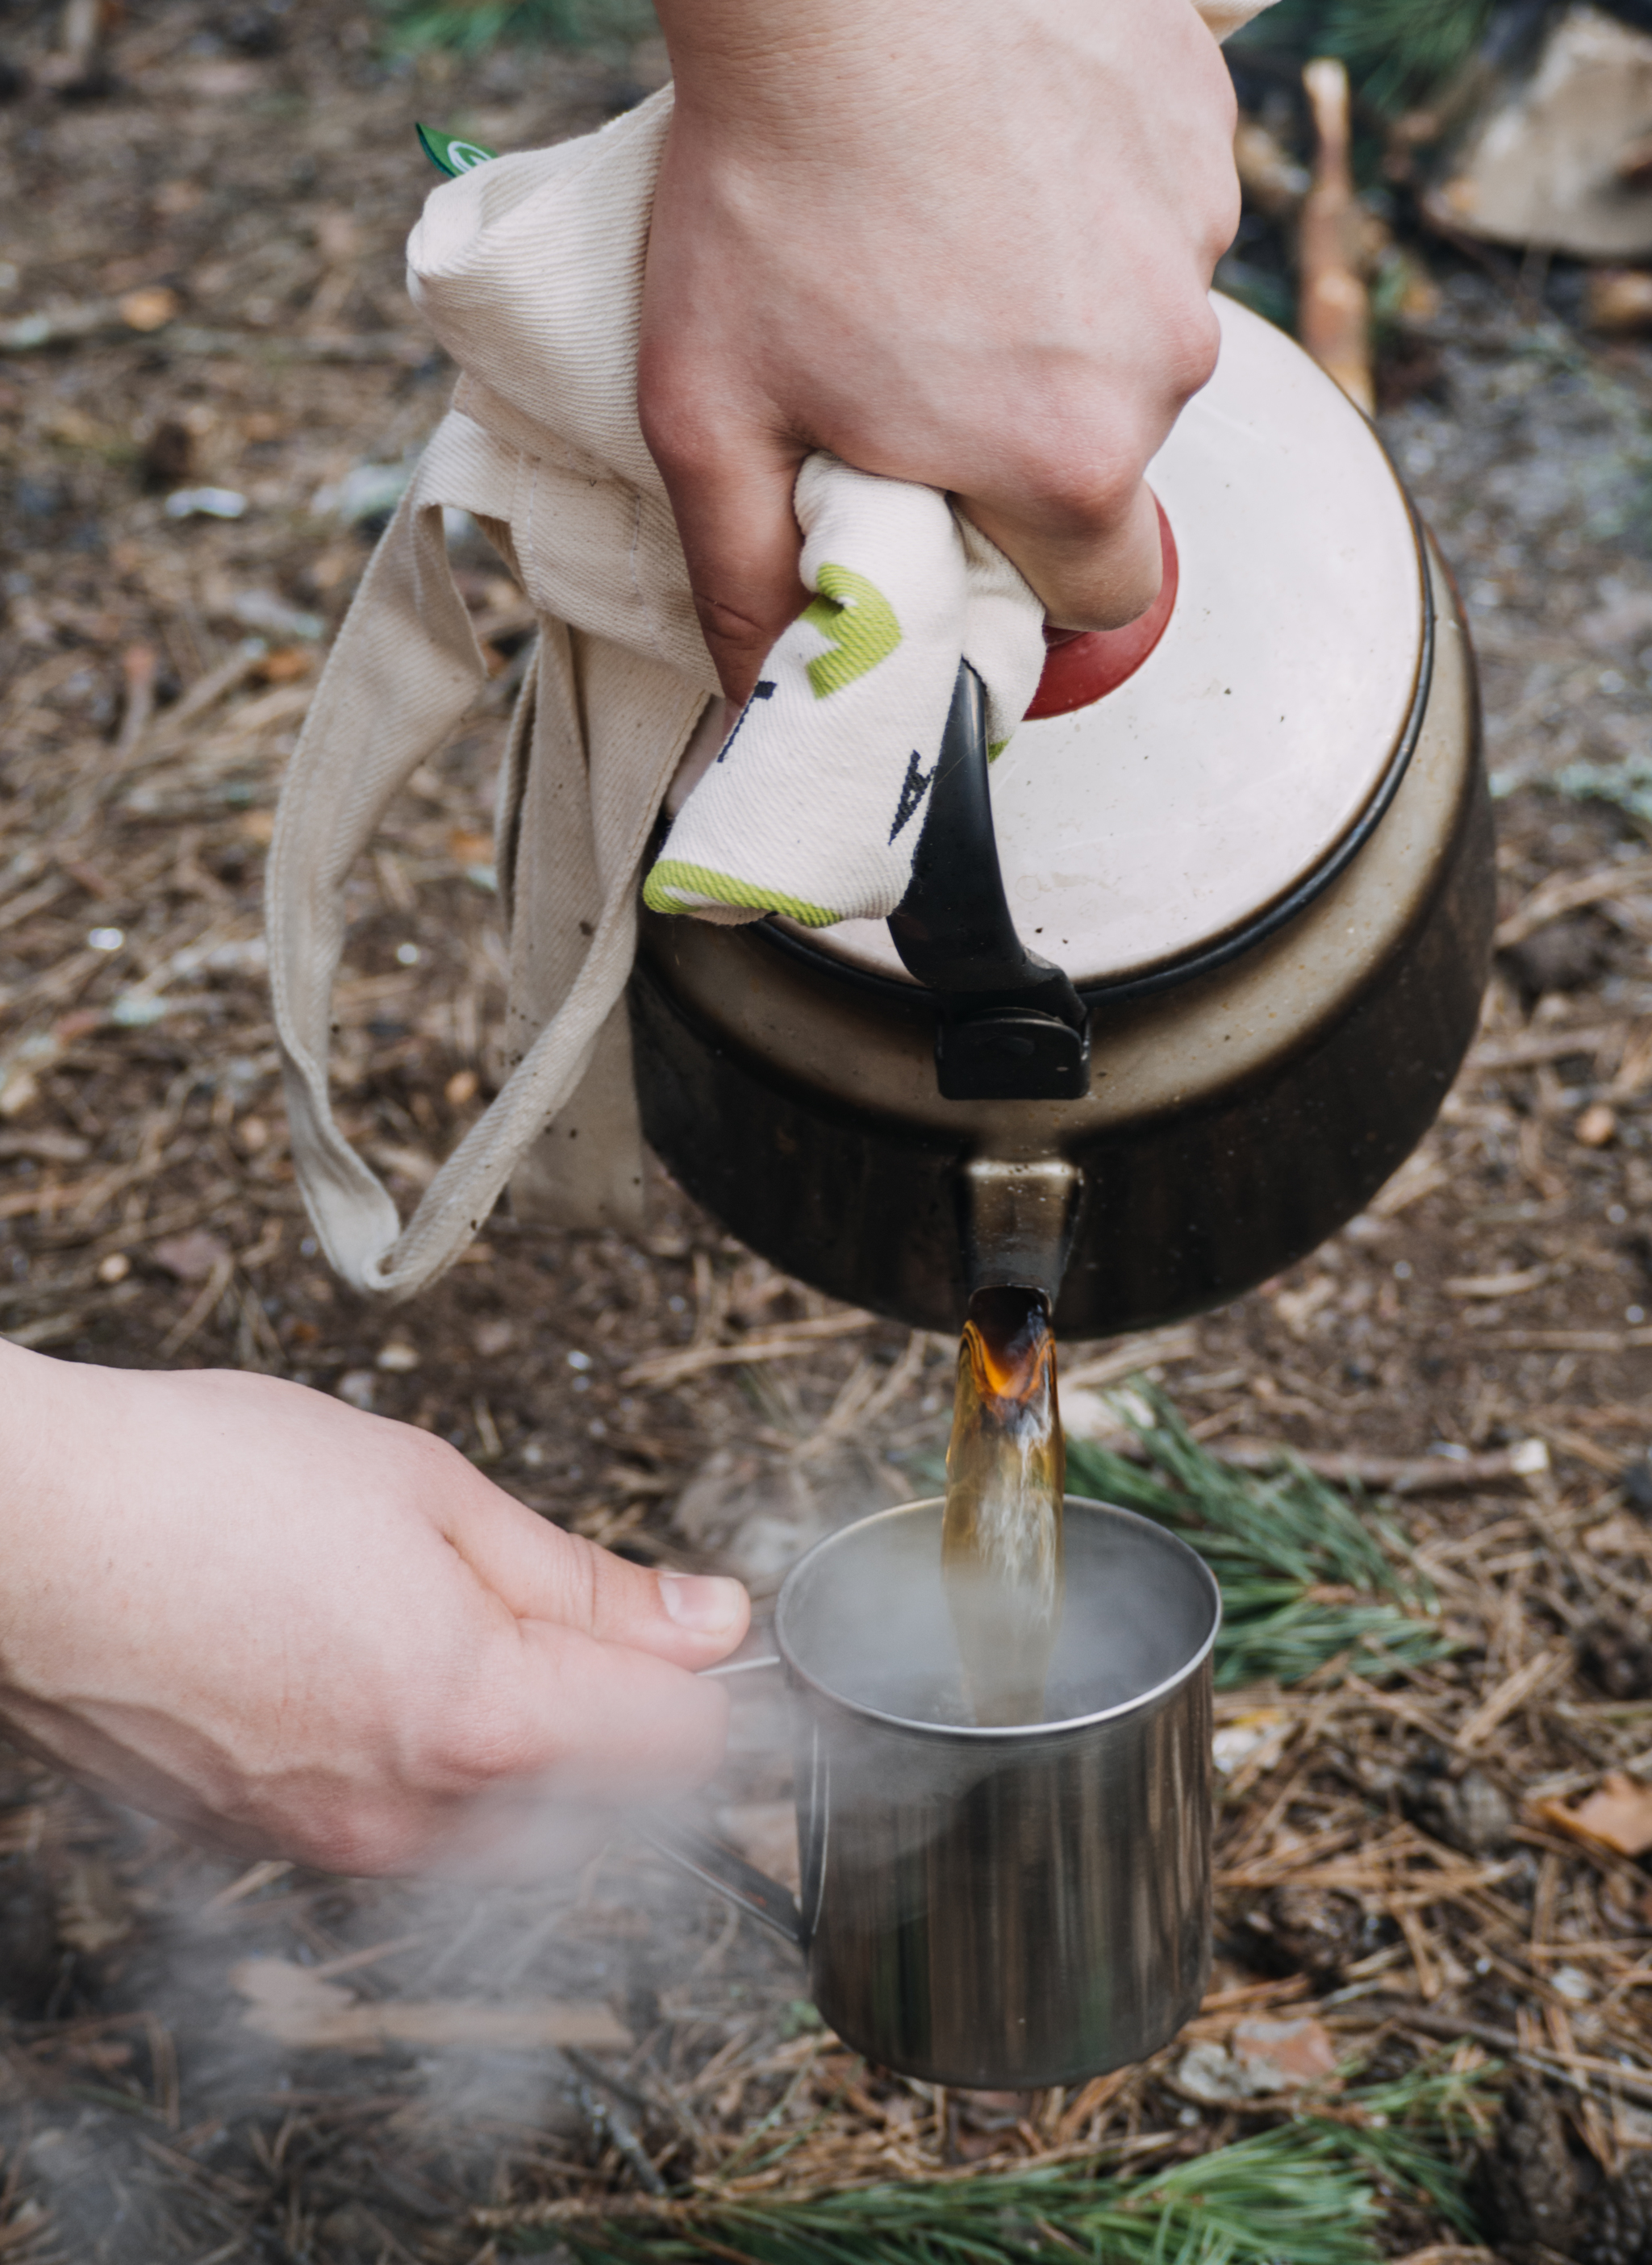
x=1017 y=1219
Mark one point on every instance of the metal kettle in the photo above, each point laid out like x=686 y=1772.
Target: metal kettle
x=1173 y=993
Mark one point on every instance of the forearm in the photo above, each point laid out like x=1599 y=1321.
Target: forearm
x=45 y=1412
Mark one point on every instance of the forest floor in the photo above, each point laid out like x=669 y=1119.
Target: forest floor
x=211 y=238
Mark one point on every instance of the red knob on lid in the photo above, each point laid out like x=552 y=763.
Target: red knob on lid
x=1082 y=665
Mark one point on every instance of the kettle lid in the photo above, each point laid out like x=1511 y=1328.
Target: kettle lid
x=1171 y=814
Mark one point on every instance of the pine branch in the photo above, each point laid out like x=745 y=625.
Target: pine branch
x=1300 y=2194
x=1399 y=53
x=1281 y=1545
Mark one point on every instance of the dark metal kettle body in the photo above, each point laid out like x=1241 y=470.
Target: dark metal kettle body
x=1146 y=1142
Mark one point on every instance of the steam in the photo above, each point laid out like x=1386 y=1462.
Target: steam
x=868 y=1619
x=410 y=2035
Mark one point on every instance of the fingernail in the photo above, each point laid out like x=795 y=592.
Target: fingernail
x=703 y=1602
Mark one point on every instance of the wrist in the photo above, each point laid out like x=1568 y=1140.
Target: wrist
x=769 y=68
x=47 y=1412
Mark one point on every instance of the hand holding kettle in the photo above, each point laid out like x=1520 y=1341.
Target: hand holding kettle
x=972 y=252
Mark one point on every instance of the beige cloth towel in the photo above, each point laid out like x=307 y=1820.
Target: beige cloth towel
x=530 y=270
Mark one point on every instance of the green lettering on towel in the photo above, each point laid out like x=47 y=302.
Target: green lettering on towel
x=860 y=622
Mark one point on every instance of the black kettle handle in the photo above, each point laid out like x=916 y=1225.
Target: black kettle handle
x=1011 y=1026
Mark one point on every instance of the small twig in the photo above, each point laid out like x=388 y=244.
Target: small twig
x=163 y=2068
x=1514 y=1691
x=264 y=1873
x=1451 y=2026
x=608 y=2123
x=1564 y=1340
x=137 y=669
x=1147 y=1349
x=191 y=1322
x=863 y=1399
x=202 y=695
x=353 y=1961
x=1398 y=1475
x=778 y=2113
x=1558 y=896
x=594 y=2072
x=782 y=1343
x=1530 y=1047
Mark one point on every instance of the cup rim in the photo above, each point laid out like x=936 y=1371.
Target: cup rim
x=977 y=1733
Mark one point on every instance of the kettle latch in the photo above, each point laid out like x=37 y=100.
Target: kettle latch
x=1010 y=1026
x=1011 y=1053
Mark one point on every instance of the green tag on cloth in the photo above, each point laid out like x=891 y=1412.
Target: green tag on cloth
x=450 y=154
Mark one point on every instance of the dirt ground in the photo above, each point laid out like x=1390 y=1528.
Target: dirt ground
x=209 y=234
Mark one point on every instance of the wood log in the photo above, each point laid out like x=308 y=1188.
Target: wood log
x=1334 y=307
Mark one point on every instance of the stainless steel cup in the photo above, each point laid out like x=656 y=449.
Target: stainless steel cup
x=1000 y=1908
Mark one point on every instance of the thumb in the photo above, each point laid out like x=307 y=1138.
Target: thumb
x=541 y=1573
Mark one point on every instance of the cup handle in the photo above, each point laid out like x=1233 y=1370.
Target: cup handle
x=719 y=1867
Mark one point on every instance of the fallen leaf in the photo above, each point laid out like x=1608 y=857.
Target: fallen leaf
x=1618 y=1816
x=1597 y=1127
x=1279 y=2056
x=190 y=1258
x=1262 y=2059
x=1236 y=1742
x=1210 y=2073
x=147 y=310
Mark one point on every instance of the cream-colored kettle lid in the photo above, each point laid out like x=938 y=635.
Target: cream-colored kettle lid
x=1146 y=829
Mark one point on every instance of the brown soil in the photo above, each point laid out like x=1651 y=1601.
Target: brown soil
x=259 y=166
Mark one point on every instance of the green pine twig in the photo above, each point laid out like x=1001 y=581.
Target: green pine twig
x=1310 y=2191
x=1399 y=53
x=1306 y=1574
x=470 y=27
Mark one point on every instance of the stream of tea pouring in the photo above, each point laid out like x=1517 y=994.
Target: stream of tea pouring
x=1001 y=1550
